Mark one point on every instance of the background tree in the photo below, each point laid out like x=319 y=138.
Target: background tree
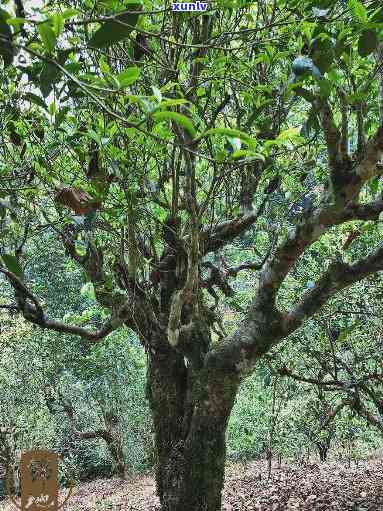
x=35 y=365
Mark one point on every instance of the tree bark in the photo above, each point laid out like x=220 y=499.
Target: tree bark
x=190 y=410
x=116 y=450
x=322 y=450
x=115 y=442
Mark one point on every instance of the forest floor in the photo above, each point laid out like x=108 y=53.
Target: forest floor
x=317 y=487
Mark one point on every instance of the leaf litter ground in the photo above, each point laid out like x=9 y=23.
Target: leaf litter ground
x=316 y=487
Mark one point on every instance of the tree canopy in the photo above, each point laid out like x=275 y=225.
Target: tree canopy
x=157 y=148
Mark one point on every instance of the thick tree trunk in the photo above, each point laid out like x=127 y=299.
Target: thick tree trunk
x=190 y=411
x=166 y=391
x=193 y=476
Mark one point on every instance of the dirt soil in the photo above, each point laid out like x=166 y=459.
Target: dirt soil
x=317 y=487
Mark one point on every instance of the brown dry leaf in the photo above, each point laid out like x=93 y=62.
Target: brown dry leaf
x=77 y=200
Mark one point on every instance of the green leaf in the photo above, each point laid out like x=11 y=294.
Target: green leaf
x=60 y=116
x=128 y=76
x=80 y=248
x=377 y=16
x=325 y=87
x=12 y=265
x=57 y=24
x=245 y=154
x=32 y=98
x=178 y=118
x=50 y=73
x=94 y=136
x=52 y=108
x=73 y=67
x=70 y=13
x=374 y=185
x=173 y=102
x=286 y=135
x=104 y=67
x=230 y=132
x=48 y=76
x=16 y=22
x=87 y=290
x=47 y=35
x=359 y=11
x=368 y=42
x=116 y=29
x=291 y=134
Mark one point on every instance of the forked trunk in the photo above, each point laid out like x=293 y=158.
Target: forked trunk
x=190 y=412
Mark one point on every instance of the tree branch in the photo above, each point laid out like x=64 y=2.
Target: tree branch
x=304 y=235
x=367 y=161
x=264 y=325
x=362 y=410
x=10 y=307
x=83 y=435
x=284 y=371
x=189 y=292
x=338 y=276
x=234 y=270
x=225 y=232
x=344 y=131
x=331 y=133
x=334 y=412
x=32 y=311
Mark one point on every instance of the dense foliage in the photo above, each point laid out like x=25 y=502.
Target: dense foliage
x=190 y=210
